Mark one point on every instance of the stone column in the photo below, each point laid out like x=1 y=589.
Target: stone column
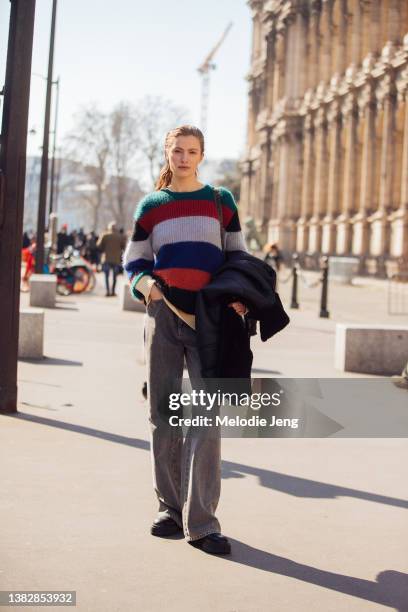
x=340 y=25
x=280 y=226
x=366 y=6
x=394 y=21
x=251 y=118
x=379 y=240
x=262 y=216
x=375 y=42
x=349 y=203
x=356 y=38
x=305 y=42
x=367 y=106
x=270 y=67
x=399 y=218
x=302 y=238
x=314 y=73
x=295 y=59
x=274 y=222
x=279 y=70
x=245 y=187
x=327 y=40
x=320 y=181
x=256 y=7
x=334 y=119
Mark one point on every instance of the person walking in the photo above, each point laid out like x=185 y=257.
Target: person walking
x=273 y=256
x=64 y=240
x=111 y=244
x=173 y=252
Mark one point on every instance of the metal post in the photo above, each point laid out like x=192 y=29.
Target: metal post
x=52 y=188
x=42 y=202
x=324 y=313
x=12 y=178
x=57 y=183
x=294 y=302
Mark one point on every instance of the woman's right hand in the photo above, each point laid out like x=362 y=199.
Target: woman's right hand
x=155 y=293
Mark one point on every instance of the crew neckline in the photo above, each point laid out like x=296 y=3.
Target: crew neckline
x=185 y=192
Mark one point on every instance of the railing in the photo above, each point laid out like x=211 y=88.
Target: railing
x=298 y=273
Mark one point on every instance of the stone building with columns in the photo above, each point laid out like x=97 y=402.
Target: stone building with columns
x=326 y=164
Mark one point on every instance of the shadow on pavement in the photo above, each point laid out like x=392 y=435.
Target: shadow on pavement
x=303 y=487
x=58 y=307
x=292 y=485
x=265 y=371
x=390 y=588
x=52 y=361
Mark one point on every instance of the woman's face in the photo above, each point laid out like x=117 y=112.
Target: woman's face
x=184 y=155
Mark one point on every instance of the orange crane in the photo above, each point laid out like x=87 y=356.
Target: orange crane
x=204 y=70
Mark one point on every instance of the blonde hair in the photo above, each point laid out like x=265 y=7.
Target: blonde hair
x=184 y=130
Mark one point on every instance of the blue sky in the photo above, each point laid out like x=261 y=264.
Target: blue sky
x=109 y=51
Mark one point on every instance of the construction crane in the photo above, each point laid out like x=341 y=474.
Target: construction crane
x=204 y=71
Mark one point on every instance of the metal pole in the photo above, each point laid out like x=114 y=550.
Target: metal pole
x=324 y=313
x=42 y=202
x=12 y=178
x=54 y=148
x=294 y=302
x=57 y=183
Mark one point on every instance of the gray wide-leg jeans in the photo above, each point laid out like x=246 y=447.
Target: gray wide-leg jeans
x=186 y=470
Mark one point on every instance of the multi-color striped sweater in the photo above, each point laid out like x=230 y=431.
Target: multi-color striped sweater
x=176 y=240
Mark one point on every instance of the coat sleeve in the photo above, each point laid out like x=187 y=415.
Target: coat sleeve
x=138 y=258
x=234 y=238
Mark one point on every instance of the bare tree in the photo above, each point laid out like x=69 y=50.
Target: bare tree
x=123 y=135
x=156 y=116
x=229 y=175
x=114 y=149
x=89 y=144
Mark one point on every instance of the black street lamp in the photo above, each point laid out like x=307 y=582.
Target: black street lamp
x=54 y=147
x=42 y=202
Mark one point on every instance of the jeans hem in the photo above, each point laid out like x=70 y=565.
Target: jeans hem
x=190 y=538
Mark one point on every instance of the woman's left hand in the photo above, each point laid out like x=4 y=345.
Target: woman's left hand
x=239 y=308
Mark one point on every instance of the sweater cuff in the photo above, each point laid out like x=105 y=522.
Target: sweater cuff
x=140 y=287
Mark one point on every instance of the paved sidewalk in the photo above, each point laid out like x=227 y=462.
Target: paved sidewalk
x=314 y=523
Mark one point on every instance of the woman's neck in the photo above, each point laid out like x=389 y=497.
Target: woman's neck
x=184 y=184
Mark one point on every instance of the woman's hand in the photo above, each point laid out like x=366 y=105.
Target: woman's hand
x=239 y=308
x=155 y=293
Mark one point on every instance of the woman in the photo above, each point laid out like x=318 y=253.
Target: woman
x=174 y=250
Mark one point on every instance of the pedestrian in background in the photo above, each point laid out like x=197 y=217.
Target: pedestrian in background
x=111 y=244
x=64 y=239
x=91 y=250
x=273 y=256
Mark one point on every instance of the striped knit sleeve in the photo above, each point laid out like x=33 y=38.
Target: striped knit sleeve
x=234 y=238
x=138 y=258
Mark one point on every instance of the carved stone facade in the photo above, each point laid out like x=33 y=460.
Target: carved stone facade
x=326 y=165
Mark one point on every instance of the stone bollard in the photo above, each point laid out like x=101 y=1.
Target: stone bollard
x=371 y=349
x=31 y=334
x=344 y=269
x=128 y=303
x=43 y=289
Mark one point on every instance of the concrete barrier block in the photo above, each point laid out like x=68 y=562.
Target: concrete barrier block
x=43 y=289
x=371 y=349
x=128 y=303
x=343 y=269
x=31 y=334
